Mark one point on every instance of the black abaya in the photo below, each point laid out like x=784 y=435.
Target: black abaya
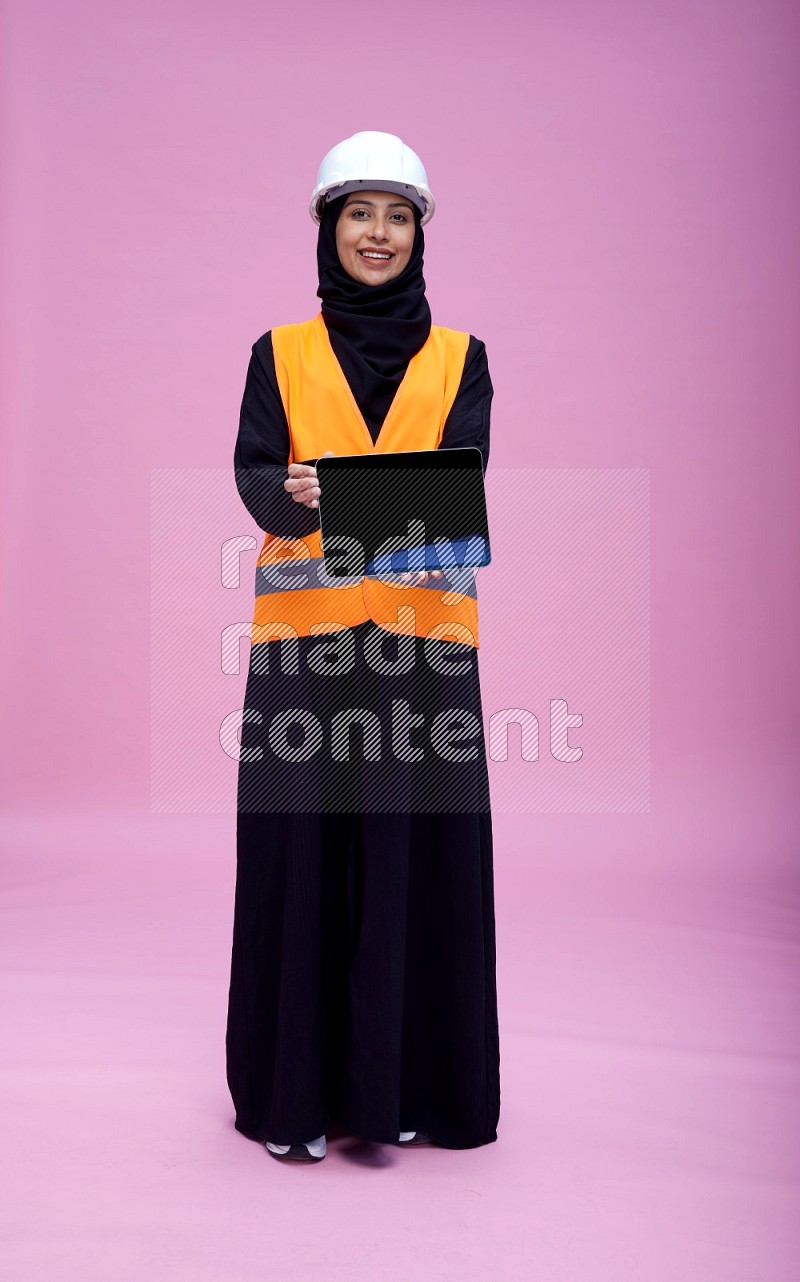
x=363 y=984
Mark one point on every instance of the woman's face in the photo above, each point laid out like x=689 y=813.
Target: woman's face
x=375 y=235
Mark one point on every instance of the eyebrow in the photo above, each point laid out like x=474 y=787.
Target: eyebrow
x=402 y=204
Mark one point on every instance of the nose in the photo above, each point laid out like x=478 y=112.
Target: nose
x=378 y=231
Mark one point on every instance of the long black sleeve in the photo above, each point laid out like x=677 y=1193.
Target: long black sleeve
x=468 y=420
x=261 y=456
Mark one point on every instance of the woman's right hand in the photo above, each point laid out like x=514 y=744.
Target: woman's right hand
x=303 y=484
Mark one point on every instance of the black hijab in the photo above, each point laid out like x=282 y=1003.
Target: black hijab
x=374 y=329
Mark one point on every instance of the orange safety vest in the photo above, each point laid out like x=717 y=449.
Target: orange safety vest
x=294 y=597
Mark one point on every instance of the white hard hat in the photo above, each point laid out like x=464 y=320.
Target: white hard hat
x=376 y=161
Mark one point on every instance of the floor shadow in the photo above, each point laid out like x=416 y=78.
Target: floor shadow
x=364 y=1152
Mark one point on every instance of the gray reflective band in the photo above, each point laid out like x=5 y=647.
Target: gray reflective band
x=293 y=576
x=298 y=576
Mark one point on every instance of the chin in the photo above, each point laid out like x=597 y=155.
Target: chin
x=373 y=280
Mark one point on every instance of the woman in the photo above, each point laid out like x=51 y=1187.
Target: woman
x=363 y=987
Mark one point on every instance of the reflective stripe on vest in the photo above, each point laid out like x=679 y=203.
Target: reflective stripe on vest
x=294 y=596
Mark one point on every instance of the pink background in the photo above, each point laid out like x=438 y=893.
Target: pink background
x=617 y=212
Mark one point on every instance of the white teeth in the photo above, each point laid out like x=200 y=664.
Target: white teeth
x=366 y=253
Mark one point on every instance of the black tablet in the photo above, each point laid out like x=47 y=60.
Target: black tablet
x=411 y=510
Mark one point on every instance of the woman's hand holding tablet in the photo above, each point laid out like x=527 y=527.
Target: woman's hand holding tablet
x=303 y=483
x=304 y=486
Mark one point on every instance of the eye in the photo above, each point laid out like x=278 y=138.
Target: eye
x=403 y=217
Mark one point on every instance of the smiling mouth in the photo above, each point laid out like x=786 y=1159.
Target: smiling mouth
x=375 y=256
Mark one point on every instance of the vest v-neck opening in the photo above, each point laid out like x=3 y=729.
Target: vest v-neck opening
x=354 y=403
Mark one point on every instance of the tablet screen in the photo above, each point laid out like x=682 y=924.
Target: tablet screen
x=411 y=510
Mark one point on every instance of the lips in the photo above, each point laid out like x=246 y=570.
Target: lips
x=382 y=256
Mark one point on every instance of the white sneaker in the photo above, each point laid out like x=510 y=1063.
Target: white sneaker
x=414 y=1137
x=308 y=1151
